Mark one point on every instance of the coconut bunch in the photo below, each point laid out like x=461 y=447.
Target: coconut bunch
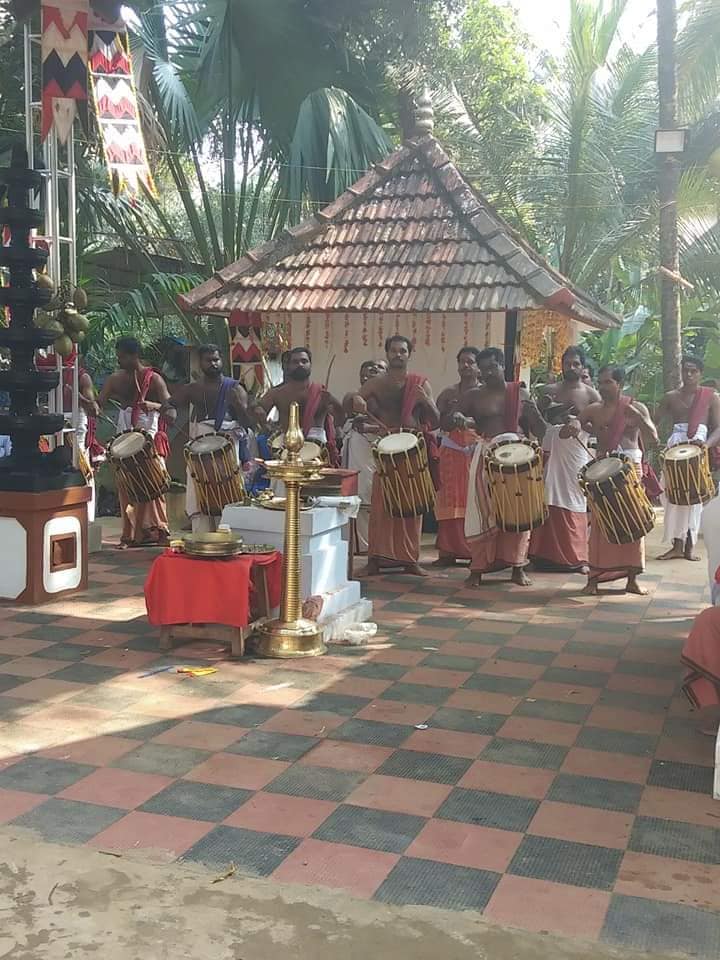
x=62 y=315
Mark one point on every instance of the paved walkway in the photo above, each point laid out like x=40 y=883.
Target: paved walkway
x=520 y=752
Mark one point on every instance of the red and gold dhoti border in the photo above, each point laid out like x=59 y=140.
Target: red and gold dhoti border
x=143 y=523
x=455 y=454
x=392 y=541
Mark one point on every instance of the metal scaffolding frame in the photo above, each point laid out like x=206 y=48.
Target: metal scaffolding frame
x=60 y=231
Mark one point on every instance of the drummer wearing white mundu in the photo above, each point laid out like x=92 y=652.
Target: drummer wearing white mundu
x=694 y=412
x=617 y=422
x=400 y=401
x=219 y=405
x=141 y=394
x=499 y=411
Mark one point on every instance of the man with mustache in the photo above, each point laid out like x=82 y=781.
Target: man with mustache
x=320 y=412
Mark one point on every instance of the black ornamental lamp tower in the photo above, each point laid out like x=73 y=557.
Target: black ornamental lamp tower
x=27 y=469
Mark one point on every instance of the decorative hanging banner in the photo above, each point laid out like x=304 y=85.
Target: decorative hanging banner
x=116 y=106
x=64 y=53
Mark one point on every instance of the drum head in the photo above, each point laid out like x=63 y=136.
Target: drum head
x=309 y=451
x=683 y=451
x=397 y=443
x=127 y=444
x=209 y=443
x=513 y=454
x=603 y=469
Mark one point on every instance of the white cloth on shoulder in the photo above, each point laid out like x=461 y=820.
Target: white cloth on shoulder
x=566 y=459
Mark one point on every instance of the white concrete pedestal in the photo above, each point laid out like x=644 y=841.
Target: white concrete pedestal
x=323 y=557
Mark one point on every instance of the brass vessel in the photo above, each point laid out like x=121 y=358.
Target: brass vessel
x=291 y=635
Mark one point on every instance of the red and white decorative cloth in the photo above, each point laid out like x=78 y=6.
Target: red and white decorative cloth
x=64 y=53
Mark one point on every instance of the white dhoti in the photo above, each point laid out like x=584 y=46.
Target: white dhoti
x=357 y=455
x=200 y=428
x=681 y=521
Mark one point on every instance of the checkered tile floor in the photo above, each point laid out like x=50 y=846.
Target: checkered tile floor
x=524 y=753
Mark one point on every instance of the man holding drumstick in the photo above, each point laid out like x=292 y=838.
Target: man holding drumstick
x=399 y=400
x=617 y=422
x=694 y=411
x=497 y=409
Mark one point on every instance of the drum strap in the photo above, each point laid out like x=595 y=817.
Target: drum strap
x=699 y=410
x=616 y=427
x=512 y=406
x=223 y=399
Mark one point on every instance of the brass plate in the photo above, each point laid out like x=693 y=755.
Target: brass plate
x=277 y=503
x=257 y=548
x=212 y=545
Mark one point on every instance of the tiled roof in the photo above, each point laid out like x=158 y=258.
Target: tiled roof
x=410 y=236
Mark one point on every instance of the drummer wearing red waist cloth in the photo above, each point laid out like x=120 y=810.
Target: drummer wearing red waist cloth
x=694 y=412
x=320 y=412
x=400 y=400
x=141 y=394
x=618 y=423
x=496 y=409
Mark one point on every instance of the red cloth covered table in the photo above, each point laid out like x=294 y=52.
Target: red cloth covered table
x=182 y=589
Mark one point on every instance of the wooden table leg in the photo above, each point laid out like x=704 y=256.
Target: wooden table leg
x=237 y=646
x=166 y=638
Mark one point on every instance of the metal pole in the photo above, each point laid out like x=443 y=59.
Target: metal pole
x=668 y=182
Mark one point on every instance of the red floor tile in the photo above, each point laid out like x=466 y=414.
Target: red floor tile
x=342 y=755
x=309 y=723
x=609 y=766
x=116 y=788
x=393 y=711
x=698 y=749
x=545 y=907
x=169 y=837
x=566 y=821
x=490 y=623
x=436 y=678
x=354 y=869
x=399 y=795
x=409 y=658
x=576 y=661
x=480 y=651
x=20 y=646
x=543 y=690
x=465 y=845
x=71 y=718
x=170 y=706
x=676 y=881
x=204 y=736
x=631 y=721
x=276 y=813
x=123 y=659
x=32 y=667
x=13 y=803
x=45 y=688
x=680 y=805
x=537 y=643
x=510 y=668
x=358 y=687
x=482 y=702
x=452 y=743
x=97 y=750
x=507 y=778
x=541 y=731
x=630 y=684
x=229 y=770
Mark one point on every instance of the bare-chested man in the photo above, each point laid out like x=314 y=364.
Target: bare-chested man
x=572 y=391
x=498 y=410
x=320 y=412
x=359 y=434
x=456 y=449
x=219 y=404
x=400 y=400
x=561 y=544
x=141 y=394
x=617 y=422
x=694 y=412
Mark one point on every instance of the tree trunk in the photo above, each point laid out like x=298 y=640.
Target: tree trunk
x=668 y=181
